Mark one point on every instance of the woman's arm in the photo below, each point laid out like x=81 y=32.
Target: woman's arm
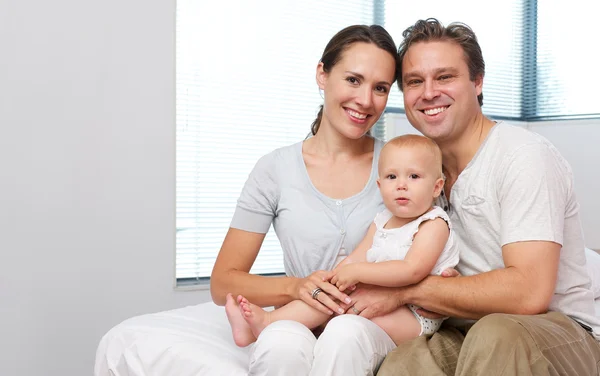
x=231 y=275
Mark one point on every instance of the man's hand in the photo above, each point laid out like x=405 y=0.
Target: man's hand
x=372 y=301
x=449 y=272
x=346 y=276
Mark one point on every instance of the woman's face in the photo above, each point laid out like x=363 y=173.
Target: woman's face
x=356 y=89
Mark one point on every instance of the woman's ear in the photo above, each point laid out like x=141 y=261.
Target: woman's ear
x=321 y=76
x=437 y=189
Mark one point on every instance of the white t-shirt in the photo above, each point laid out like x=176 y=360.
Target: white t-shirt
x=519 y=188
x=394 y=243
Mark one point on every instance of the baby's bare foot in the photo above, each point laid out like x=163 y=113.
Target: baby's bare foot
x=242 y=334
x=256 y=317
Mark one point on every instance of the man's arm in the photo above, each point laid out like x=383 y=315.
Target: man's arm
x=524 y=286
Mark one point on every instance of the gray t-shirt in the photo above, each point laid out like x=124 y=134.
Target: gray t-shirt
x=519 y=188
x=312 y=228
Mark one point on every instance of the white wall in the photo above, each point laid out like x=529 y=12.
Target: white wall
x=86 y=176
x=579 y=142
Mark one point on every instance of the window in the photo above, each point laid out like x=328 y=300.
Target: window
x=567 y=62
x=246 y=86
x=501 y=44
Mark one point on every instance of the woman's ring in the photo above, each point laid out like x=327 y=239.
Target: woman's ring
x=355 y=310
x=316 y=292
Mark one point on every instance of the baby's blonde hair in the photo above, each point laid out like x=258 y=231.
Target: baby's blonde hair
x=413 y=140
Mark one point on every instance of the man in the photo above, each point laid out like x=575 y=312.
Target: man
x=511 y=200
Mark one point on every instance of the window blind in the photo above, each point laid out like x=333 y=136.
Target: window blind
x=245 y=85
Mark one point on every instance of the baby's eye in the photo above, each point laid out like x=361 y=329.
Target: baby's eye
x=414 y=176
x=391 y=176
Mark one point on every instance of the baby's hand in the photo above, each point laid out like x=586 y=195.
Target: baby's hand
x=346 y=276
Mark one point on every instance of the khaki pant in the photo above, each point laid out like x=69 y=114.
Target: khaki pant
x=500 y=344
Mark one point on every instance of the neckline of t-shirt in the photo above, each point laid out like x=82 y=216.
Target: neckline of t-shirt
x=377 y=144
x=388 y=216
x=478 y=153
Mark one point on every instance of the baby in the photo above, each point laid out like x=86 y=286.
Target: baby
x=407 y=241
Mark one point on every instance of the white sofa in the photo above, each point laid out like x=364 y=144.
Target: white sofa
x=195 y=340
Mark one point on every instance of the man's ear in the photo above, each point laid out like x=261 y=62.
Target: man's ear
x=437 y=189
x=478 y=84
x=321 y=76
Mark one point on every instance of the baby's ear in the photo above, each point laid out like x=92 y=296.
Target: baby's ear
x=378 y=183
x=439 y=185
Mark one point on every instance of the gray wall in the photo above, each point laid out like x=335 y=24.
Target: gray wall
x=86 y=176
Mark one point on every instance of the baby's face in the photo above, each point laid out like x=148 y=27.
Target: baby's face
x=409 y=180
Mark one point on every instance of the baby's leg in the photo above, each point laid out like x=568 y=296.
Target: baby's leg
x=258 y=319
x=401 y=325
x=242 y=334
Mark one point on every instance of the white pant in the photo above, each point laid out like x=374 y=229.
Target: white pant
x=349 y=345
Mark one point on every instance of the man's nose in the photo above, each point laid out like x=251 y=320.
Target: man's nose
x=430 y=90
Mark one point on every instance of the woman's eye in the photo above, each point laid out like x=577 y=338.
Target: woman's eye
x=352 y=80
x=381 y=89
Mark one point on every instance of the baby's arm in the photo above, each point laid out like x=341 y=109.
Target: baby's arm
x=427 y=247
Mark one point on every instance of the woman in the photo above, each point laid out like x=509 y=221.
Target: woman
x=321 y=196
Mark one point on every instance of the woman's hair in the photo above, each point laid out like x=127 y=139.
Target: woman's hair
x=432 y=30
x=343 y=40
x=413 y=140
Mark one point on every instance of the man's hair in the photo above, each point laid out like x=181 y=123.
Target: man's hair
x=432 y=30
x=417 y=141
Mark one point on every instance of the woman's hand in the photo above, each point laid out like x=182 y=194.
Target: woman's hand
x=324 y=300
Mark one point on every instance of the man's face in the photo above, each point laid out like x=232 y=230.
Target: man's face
x=439 y=97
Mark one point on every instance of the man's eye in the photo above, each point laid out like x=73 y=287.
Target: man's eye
x=413 y=82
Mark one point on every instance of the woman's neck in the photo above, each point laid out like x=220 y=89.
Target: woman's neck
x=328 y=143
